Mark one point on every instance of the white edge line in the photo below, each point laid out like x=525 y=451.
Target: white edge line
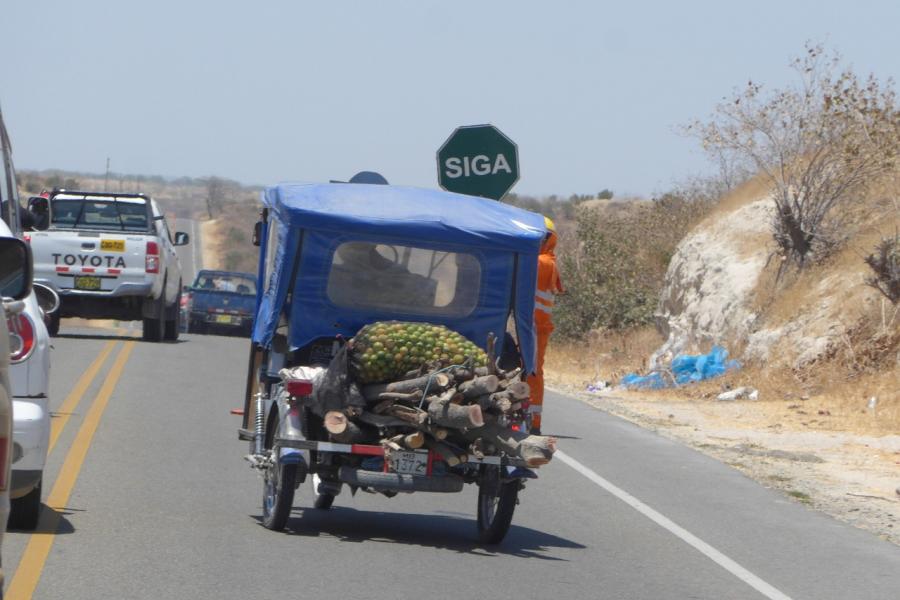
x=717 y=557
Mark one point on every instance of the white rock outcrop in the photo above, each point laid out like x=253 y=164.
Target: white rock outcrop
x=710 y=281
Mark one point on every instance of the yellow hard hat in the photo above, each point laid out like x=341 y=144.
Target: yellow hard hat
x=548 y=223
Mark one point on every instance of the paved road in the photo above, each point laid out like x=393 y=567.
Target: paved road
x=189 y=255
x=147 y=496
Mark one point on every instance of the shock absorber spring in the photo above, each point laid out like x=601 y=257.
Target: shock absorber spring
x=260 y=423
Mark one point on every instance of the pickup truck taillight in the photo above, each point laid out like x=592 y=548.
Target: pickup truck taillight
x=21 y=337
x=152 y=258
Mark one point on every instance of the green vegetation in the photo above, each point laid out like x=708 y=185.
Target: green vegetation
x=614 y=264
x=801 y=496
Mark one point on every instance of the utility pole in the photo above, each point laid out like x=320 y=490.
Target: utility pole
x=106 y=180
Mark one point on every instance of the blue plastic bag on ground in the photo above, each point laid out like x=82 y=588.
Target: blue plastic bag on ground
x=686 y=368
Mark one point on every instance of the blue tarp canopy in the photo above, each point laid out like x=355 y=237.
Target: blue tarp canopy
x=307 y=223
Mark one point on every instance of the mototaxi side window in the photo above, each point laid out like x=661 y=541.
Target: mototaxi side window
x=404 y=279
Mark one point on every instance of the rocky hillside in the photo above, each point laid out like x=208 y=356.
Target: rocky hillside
x=727 y=284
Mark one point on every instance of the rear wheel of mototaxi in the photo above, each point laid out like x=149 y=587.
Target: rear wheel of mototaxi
x=279 y=484
x=497 y=501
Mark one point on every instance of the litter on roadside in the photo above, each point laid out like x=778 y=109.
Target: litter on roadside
x=685 y=368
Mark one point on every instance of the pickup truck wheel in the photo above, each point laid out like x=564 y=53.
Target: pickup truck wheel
x=25 y=511
x=171 y=326
x=154 y=327
x=496 y=503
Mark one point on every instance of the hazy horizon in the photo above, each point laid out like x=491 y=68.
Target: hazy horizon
x=284 y=91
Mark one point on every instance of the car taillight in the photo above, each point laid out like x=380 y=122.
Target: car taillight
x=152 y=258
x=21 y=337
x=185 y=301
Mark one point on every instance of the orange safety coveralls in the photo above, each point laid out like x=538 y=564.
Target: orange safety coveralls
x=548 y=284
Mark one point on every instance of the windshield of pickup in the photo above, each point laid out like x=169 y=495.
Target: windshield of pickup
x=225 y=282
x=101 y=212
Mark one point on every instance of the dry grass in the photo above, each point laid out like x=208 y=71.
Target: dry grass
x=604 y=355
x=749 y=191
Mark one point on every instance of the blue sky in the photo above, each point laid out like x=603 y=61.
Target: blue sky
x=288 y=90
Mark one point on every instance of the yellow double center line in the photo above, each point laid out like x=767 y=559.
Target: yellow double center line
x=28 y=573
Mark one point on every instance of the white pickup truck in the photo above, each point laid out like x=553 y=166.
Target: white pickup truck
x=109 y=256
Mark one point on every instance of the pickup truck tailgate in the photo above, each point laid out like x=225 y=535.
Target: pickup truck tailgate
x=89 y=261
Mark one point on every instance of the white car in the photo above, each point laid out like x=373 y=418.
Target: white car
x=29 y=371
x=15 y=278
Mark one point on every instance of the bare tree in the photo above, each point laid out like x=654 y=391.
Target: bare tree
x=215 y=194
x=820 y=144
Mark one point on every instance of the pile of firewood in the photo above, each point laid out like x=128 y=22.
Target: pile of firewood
x=455 y=412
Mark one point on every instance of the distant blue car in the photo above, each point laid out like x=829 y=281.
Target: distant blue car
x=220 y=302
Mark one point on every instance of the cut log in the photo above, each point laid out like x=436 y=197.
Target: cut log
x=343 y=430
x=535 y=450
x=382 y=421
x=498 y=402
x=501 y=402
x=335 y=422
x=439 y=382
x=461 y=374
x=401 y=396
x=439 y=433
x=479 y=386
x=392 y=445
x=413 y=441
x=409 y=414
x=519 y=390
x=442 y=412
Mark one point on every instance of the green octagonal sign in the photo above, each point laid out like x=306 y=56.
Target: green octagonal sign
x=478 y=160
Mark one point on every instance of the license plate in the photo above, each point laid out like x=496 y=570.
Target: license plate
x=223 y=319
x=410 y=463
x=112 y=245
x=87 y=283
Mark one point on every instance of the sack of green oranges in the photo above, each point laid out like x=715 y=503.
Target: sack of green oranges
x=387 y=350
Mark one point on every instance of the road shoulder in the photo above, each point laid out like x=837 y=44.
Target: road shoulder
x=850 y=477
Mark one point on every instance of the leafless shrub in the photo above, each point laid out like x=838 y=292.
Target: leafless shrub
x=820 y=144
x=885 y=265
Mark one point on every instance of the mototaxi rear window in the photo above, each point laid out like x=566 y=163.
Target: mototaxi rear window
x=404 y=279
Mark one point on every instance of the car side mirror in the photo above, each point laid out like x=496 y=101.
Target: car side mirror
x=181 y=238
x=15 y=268
x=257 y=233
x=47 y=298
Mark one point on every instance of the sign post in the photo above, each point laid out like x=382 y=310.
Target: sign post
x=478 y=160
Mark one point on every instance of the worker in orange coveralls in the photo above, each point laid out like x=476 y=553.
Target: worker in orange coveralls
x=548 y=284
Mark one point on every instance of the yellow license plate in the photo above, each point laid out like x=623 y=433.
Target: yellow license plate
x=112 y=245
x=87 y=283
x=223 y=319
